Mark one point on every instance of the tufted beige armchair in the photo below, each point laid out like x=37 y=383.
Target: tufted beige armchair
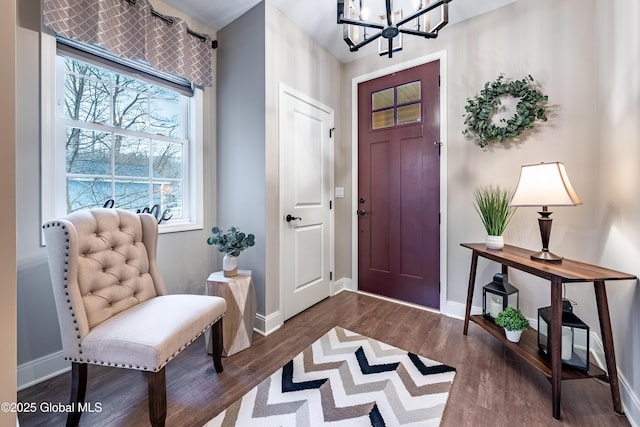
x=112 y=306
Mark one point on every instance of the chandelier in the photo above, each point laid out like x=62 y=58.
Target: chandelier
x=390 y=26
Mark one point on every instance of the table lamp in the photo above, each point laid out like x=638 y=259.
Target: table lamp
x=544 y=184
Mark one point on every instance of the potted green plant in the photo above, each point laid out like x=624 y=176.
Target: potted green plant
x=231 y=243
x=513 y=322
x=492 y=204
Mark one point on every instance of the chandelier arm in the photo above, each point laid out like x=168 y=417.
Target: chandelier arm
x=431 y=35
x=360 y=23
x=391 y=29
x=423 y=11
x=363 y=43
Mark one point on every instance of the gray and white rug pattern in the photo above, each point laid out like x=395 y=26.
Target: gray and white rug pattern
x=346 y=379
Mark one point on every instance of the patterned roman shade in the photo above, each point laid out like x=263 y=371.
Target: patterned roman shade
x=133 y=30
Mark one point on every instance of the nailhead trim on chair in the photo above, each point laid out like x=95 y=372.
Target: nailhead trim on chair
x=156 y=369
x=187 y=344
x=145 y=368
x=108 y=363
x=66 y=263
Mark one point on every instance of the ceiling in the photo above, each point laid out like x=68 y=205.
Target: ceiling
x=318 y=17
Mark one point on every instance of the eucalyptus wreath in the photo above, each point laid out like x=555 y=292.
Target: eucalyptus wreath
x=531 y=107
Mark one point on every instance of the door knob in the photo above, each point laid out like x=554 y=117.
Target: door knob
x=361 y=212
x=290 y=218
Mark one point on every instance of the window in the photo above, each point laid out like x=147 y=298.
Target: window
x=125 y=139
x=119 y=137
x=396 y=106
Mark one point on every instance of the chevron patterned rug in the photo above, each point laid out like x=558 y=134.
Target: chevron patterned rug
x=346 y=379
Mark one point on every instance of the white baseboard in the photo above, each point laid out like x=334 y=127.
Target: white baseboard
x=43 y=368
x=457 y=310
x=266 y=325
x=597 y=350
x=630 y=401
x=344 y=284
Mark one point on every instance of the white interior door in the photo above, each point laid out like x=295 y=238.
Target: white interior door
x=306 y=216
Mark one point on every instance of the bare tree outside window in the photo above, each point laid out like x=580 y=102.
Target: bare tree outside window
x=125 y=140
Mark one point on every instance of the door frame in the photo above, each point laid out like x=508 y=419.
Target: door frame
x=282 y=90
x=436 y=56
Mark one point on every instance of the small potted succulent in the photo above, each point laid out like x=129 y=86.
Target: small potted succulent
x=513 y=322
x=492 y=204
x=231 y=243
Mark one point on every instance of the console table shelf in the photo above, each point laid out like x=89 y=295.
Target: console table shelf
x=567 y=271
x=528 y=350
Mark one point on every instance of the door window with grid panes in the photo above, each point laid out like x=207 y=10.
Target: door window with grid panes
x=399 y=105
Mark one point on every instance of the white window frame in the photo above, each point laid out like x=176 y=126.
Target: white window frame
x=52 y=154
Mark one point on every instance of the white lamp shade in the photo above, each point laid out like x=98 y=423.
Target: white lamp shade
x=544 y=184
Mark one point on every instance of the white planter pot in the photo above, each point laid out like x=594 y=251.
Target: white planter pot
x=513 y=336
x=494 y=242
x=230 y=265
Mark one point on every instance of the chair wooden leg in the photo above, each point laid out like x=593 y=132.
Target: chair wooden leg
x=157 y=398
x=216 y=344
x=78 y=391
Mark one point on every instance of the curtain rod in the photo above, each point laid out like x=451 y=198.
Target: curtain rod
x=168 y=20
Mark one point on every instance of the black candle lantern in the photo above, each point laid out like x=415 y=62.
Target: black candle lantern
x=497 y=295
x=575 y=338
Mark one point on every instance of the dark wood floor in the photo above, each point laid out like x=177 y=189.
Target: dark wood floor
x=491 y=388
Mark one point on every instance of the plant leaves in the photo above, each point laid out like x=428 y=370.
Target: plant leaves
x=531 y=106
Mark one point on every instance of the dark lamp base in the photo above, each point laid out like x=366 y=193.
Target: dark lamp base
x=546 y=256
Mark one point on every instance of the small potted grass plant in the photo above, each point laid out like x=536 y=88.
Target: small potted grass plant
x=492 y=204
x=513 y=322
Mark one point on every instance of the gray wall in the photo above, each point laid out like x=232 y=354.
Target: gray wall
x=258 y=51
x=241 y=136
x=38 y=333
x=617 y=201
x=296 y=60
x=185 y=259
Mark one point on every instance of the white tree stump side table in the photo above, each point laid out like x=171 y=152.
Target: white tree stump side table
x=237 y=324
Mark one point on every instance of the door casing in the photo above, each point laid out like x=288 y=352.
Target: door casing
x=442 y=57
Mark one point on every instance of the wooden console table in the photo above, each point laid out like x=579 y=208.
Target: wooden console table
x=568 y=271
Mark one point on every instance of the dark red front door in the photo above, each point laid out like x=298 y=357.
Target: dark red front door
x=399 y=185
